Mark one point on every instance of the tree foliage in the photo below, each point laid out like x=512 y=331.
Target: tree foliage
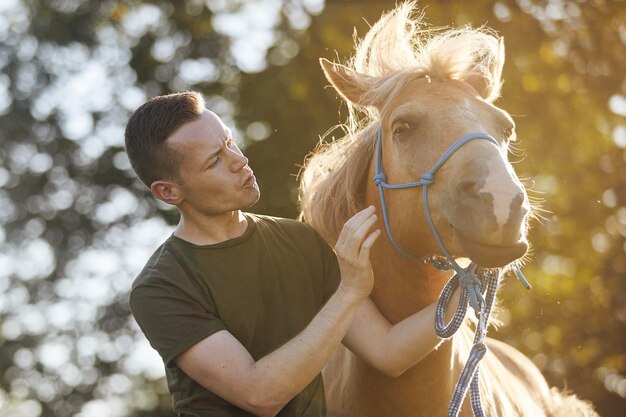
x=76 y=225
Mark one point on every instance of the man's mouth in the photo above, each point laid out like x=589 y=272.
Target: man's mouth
x=249 y=181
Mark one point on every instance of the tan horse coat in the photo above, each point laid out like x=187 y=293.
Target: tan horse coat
x=448 y=79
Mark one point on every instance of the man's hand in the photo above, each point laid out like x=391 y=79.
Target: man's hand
x=353 y=252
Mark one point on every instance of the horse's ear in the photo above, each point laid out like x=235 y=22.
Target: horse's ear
x=487 y=80
x=351 y=85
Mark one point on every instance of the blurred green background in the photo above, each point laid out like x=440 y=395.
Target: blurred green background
x=76 y=226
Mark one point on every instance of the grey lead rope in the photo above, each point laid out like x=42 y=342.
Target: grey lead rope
x=469 y=379
x=491 y=278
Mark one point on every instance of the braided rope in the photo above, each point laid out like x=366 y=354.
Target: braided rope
x=491 y=281
x=469 y=378
x=475 y=400
x=469 y=372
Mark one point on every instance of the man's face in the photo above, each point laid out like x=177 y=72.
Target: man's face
x=215 y=175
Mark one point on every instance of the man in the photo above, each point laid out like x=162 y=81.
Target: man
x=244 y=309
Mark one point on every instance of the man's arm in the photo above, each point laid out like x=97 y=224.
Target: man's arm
x=392 y=349
x=222 y=365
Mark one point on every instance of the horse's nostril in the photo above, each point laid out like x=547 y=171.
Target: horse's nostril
x=520 y=205
x=468 y=188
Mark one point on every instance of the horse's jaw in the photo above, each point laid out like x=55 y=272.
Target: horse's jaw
x=403 y=286
x=491 y=256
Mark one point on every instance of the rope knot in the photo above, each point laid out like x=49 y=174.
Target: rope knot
x=427 y=178
x=380 y=178
x=471 y=283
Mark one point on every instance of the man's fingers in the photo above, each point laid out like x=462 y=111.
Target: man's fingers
x=364 y=253
x=356 y=234
x=351 y=224
x=363 y=229
x=352 y=250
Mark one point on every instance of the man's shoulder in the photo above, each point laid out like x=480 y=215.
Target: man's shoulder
x=300 y=234
x=159 y=266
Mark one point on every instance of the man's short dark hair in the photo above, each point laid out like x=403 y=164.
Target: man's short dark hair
x=148 y=129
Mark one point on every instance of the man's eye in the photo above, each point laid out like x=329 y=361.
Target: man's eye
x=215 y=163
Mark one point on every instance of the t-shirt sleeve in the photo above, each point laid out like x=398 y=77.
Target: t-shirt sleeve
x=171 y=320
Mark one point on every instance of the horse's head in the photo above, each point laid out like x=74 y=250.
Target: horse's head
x=478 y=204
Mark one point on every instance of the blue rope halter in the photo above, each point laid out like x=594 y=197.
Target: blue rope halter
x=473 y=285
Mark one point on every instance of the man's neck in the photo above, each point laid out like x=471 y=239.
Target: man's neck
x=208 y=230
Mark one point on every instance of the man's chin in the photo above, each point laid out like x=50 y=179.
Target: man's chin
x=255 y=199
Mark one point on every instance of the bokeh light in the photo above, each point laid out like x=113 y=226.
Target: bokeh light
x=76 y=226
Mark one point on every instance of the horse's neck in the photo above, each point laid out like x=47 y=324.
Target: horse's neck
x=403 y=286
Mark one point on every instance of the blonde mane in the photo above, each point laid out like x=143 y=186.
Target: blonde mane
x=397 y=49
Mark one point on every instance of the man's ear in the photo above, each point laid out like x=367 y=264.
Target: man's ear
x=166 y=191
x=350 y=85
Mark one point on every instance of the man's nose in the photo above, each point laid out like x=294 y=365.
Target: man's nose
x=239 y=161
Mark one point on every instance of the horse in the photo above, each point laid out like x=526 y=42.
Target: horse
x=422 y=89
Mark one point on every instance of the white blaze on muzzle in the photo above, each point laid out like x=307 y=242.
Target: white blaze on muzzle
x=507 y=193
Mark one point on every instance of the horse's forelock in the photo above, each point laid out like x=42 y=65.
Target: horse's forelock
x=401 y=43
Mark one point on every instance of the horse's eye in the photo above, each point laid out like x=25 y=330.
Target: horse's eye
x=400 y=127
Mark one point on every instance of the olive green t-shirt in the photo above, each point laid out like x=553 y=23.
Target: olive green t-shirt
x=264 y=287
